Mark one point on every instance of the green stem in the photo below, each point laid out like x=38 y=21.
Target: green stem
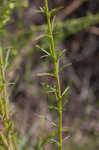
x=3 y=103
x=56 y=71
x=4 y=85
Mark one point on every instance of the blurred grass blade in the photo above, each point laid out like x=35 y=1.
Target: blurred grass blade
x=6 y=59
x=46 y=74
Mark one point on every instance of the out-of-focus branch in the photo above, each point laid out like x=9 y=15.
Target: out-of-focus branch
x=94 y=30
x=71 y=8
x=23 y=52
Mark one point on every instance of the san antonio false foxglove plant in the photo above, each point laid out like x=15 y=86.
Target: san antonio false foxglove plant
x=56 y=56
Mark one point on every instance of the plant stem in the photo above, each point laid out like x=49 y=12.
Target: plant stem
x=56 y=72
x=4 y=85
x=3 y=103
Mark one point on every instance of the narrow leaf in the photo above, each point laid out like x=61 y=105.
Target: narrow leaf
x=52 y=90
x=44 y=56
x=52 y=141
x=66 y=91
x=11 y=83
x=61 y=53
x=6 y=59
x=47 y=138
x=55 y=10
x=53 y=22
x=67 y=137
x=52 y=107
x=66 y=65
x=46 y=74
x=47 y=119
x=43 y=50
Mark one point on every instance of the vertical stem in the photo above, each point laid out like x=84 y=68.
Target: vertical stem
x=4 y=99
x=1 y=105
x=4 y=85
x=60 y=125
x=56 y=71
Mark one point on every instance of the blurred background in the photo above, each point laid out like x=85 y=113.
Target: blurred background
x=76 y=29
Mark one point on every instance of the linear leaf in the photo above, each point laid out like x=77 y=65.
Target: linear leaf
x=6 y=59
x=66 y=65
x=47 y=138
x=67 y=137
x=11 y=83
x=52 y=141
x=47 y=119
x=43 y=50
x=52 y=107
x=66 y=91
x=46 y=74
x=44 y=56
x=53 y=22
x=61 y=53
x=55 y=10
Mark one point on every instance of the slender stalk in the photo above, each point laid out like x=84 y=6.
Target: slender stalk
x=4 y=85
x=56 y=72
x=3 y=103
